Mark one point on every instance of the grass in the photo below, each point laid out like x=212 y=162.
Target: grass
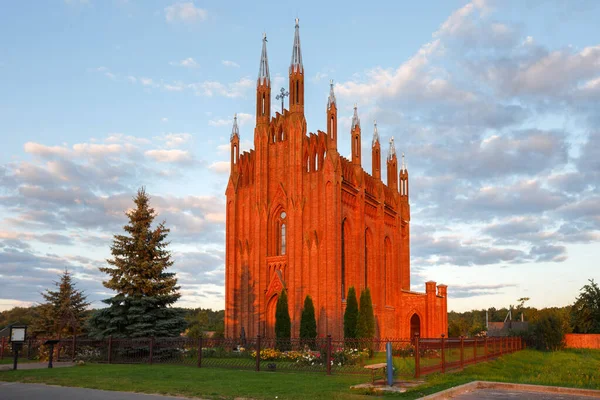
x=571 y=368
x=9 y=360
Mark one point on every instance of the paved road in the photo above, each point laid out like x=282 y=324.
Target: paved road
x=32 y=391
x=499 y=394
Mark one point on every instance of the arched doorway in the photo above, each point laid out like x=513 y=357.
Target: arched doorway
x=271 y=307
x=415 y=326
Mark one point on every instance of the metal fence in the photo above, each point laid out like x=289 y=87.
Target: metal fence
x=411 y=358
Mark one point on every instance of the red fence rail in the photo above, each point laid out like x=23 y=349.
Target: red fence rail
x=416 y=357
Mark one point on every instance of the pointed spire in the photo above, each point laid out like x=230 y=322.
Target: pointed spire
x=331 y=99
x=403 y=167
x=392 y=152
x=296 y=64
x=375 y=134
x=355 y=119
x=235 y=131
x=263 y=71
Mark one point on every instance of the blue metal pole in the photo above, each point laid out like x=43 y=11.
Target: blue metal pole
x=390 y=364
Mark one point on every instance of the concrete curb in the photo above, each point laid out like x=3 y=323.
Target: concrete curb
x=468 y=387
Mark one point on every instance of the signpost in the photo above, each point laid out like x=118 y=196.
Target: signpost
x=17 y=336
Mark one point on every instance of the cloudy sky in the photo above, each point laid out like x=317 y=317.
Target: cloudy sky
x=494 y=103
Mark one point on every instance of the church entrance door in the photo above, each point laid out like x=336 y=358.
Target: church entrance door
x=415 y=326
x=271 y=307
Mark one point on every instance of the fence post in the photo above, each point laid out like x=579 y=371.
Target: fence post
x=475 y=349
x=485 y=348
x=74 y=346
x=417 y=357
x=500 y=340
x=257 y=353
x=2 y=348
x=443 y=355
x=462 y=352
x=328 y=354
x=151 y=349
x=200 y=352
x=110 y=349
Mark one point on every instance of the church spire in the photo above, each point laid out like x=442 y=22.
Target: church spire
x=296 y=63
x=375 y=134
x=392 y=153
x=235 y=131
x=331 y=99
x=403 y=166
x=263 y=72
x=296 y=87
x=376 y=154
x=355 y=119
x=263 y=88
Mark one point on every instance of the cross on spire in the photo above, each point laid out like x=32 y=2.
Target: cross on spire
x=281 y=96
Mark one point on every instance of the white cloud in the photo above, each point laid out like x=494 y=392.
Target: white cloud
x=220 y=167
x=228 y=63
x=184 y=12
x=147 y=81
x=187 y=63
x=176 y=139
x=235 y=89
x=45 y=151
x=170 y=156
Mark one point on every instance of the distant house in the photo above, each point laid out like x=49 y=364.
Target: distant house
x=504 y=328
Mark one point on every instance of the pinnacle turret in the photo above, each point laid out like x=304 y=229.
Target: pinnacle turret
x=355 y=119
x=375 y=134
x=263 y=71
x=392 y=152
x=296 y=63
x=331 y=100
x=235 y=131
x=403 y=166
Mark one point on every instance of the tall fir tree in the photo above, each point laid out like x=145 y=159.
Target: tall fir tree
x=64 y=312
x=283 y=323
x=308 y=323
x=351 y=314
x=365 y=327
x=142 y=306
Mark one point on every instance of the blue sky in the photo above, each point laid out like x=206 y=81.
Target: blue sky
x=494 y=104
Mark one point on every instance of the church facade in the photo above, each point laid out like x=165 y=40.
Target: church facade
x=302 y=217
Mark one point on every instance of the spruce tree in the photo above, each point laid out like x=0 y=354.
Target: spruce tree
x=351 y=314
x=137 y=272
x=283 y=324
x=365 y=328
x=308 y=323
x=63 y=314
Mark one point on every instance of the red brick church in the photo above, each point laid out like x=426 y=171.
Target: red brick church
x=303 y=217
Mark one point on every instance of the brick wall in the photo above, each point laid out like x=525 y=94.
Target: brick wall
x=582 y=341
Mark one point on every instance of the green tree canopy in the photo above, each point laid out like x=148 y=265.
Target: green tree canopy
x=137 y=273
x=308 y=323
x=283 y=323
x=585 y=313
x=351 y=314
x=365 y=327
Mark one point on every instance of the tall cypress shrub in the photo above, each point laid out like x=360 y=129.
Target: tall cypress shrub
x=283 y=323
x=351 y=314
x=365 y=328
x=308 y=323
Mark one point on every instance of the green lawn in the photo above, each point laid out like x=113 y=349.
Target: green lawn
x=9 y=360
x=566 y=368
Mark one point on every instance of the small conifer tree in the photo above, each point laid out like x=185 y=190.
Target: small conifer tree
x=308 y=323
x=351 y=314
x=145 y=291
x=365 y=328
x=64 y=311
